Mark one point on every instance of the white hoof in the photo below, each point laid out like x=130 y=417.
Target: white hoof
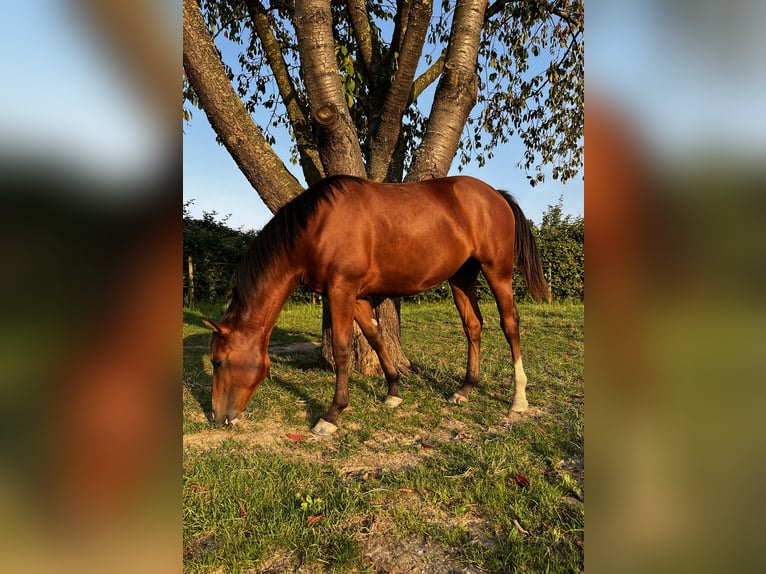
x=323 y=428
x=458 y=399
x=519 y=406
x=392 y=402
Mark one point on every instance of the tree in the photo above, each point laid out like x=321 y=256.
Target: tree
x=349 y=81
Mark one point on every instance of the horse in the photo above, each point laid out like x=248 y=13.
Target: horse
x=350 y=239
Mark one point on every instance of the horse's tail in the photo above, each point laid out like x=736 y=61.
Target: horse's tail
x=527 y=255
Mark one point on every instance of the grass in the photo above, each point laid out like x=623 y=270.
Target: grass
x=426 y=487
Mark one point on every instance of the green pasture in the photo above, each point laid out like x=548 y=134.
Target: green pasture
x=428 y=487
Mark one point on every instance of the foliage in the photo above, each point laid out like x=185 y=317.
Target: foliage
x=561 y=240
x=531 y=78
x=529 y=75
x=215 y=250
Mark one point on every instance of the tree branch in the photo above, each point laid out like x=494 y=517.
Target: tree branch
x=228 y=116
x=428 y=77
x=455 y=95
x=573 y=17
x=360 y=22
x=310 y=162
x=316 y=44
x=386 y=133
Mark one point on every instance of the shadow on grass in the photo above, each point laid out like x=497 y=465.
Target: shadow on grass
x=445 y=384
x=195 y=377
x=193 y=318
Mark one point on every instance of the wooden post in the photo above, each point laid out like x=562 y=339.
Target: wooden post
x=190 y=268
x=550 y=276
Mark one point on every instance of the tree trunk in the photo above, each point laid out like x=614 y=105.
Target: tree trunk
x=294 y=104
x=409 y=37
x=338 y=146
x=455 y=96
x=365 y=361
x=228 y=117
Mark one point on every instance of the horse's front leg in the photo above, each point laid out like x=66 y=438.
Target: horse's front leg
x=342 y=315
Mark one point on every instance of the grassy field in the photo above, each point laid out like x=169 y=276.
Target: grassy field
x=428 y=487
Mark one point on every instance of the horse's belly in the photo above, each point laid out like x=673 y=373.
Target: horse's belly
x=405 y=275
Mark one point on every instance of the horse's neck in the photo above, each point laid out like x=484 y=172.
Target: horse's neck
x=261 y=311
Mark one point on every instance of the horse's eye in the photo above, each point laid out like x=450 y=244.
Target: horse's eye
x=215 y=364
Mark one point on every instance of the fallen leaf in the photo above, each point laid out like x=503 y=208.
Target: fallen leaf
x=295 y=436
x=242 y=511
x=404 y=489
x=198 y=487
x=521 y=480
x=314 y=519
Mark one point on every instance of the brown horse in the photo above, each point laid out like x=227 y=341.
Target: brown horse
x=348 y=239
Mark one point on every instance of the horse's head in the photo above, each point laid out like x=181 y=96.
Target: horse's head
x=240 y=363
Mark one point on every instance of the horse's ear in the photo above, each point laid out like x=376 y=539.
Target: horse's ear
x=215 y=326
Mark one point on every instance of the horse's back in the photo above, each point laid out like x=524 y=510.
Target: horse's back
x=398 y=239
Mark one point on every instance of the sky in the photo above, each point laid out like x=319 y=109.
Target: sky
x=214 y=183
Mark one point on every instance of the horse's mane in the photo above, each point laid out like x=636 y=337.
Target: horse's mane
x=278 y=238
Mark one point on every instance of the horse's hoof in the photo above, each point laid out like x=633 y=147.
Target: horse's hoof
x=392 y=402
x=519 y=406
x=458 y=399
x=323 y=428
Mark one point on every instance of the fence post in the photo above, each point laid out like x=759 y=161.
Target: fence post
x=190 y=268
x=550 y=276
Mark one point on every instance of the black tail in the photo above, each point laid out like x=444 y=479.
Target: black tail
x=527 y=255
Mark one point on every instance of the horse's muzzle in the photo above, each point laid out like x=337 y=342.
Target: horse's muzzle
x=224 y=419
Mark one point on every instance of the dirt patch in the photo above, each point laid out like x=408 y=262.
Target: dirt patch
x=531 y=413
x=391 y=555
x=384 y=452
x=273 y=434
x=406 y=557
x=206 y=440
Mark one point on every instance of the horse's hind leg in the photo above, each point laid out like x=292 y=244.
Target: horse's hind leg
x=463 y=286
x=365 y=318
x=509 y=322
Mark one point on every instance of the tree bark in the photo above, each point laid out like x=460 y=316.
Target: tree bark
x=409 y=35
x=339 y=143
x=455 y=96
x=227 y=114
x=299 y=121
